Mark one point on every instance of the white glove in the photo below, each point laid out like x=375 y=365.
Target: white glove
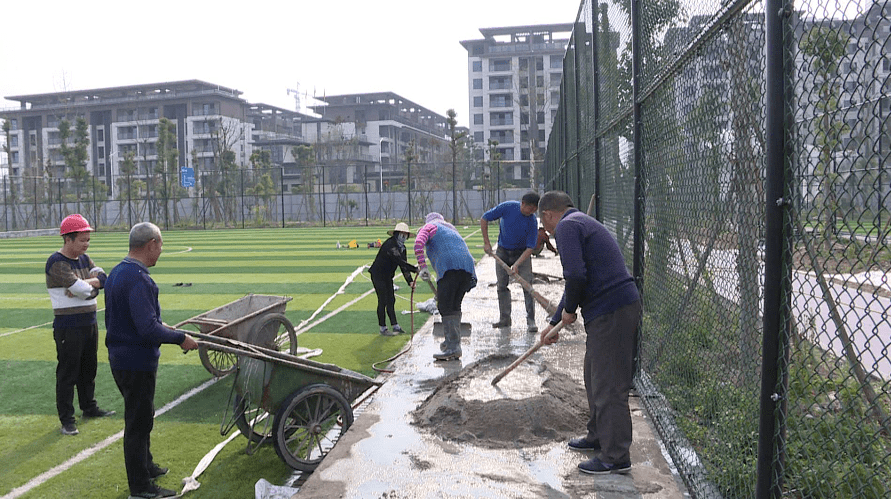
x=96 y=271
x=424 y=274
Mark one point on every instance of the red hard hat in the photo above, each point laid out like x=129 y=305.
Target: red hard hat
x=74 y=223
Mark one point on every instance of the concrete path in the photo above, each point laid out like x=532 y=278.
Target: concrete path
x=383 y=455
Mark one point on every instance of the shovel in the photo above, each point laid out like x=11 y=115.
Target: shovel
x=438 y=330
x=554 y=330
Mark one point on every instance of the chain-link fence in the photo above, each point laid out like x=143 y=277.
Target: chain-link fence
x=271 y=197
x=738 y=152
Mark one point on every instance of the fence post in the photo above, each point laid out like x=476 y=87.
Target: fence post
x=770 y=444
x=5 y=205
x=281 y=181
x=578 y=43
x=638 y=145
x=59 y=184
x=595 y=104
x=365 y=190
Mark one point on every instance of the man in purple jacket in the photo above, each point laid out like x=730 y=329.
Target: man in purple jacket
x=134 y=334
x=598 y=282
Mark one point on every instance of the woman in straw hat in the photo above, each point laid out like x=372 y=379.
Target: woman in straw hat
x=390 y=256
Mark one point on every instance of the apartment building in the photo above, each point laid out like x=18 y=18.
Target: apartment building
x=513 y=77
x=124 y=122
x=385 y=124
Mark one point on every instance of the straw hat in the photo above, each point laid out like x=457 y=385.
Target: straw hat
x=401 y=227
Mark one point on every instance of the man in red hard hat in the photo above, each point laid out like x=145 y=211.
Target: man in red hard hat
x=73 y=282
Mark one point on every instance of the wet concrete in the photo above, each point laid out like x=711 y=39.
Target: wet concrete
x=386 y=454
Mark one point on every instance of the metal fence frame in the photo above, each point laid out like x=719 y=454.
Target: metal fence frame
x=731 y=220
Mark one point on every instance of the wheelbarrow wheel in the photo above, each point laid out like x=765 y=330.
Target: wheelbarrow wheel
x=216 y=362
x=253 y=422
x=308 y=424
x=275 y=332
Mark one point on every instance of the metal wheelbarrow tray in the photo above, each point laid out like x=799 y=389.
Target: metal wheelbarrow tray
x=254 y=319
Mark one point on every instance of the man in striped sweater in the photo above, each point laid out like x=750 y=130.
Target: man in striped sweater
x=73 y=282
x=454 y=266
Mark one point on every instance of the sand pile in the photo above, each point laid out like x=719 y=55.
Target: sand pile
x=531 y=406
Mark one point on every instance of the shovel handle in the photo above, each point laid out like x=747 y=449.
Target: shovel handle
x=538 y=344
x=544 y=302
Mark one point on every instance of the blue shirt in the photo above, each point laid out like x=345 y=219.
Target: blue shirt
x=134 y=331
x=516 y=230
x=597 y=279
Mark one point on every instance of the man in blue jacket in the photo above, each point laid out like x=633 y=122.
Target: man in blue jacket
x=598 y=282
x=133 y=337
x=517 y=237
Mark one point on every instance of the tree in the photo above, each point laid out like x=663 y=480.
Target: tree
x=167 y=164
x=409 y=156
x=456 y=140
x=75 y=155
x=826 y=46
x=305 y=156
x=13 y=191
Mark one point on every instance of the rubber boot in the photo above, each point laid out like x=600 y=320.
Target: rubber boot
x=452 y=332
x=504 y=309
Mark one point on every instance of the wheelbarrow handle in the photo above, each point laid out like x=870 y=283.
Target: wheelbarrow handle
x=538 y=344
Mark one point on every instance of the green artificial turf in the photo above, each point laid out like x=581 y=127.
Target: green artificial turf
x=222 y=266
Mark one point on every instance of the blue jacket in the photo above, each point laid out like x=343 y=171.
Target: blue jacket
x=593 y=267
x=516 y=231
x=134 y=331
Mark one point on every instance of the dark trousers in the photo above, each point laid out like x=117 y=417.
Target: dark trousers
x=138 y=390
x=76 y=350
x=386 y=299
x=609 y=373
x=502 y=279
x=450 y=291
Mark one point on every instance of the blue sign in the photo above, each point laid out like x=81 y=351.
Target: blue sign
x=187 y=176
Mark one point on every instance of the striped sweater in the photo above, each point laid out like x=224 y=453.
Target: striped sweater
x=73 y=300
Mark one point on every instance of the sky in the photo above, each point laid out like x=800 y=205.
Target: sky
x=259 y=47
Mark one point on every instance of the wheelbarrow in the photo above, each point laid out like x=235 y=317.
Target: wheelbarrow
x=254 y=319
x=302 y=406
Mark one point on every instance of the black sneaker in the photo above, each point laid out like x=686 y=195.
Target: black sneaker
x=597 y=467
x=502 y=323
x=98 y=413
x=69 y=429
x=153 y=492
x=155 y=471
x=582 y=444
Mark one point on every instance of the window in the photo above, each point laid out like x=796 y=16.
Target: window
x=499 y=65
x=477 y=83
x=477 y=66
x=14 y=124
x=14 y=141
x=477 y=119
x=100 y=135
x=556 y=62
x=500 y=100
x=478 y=137
x=556 y=78
x=501 y=119
x=478 y=101
x=540 y=116
x=499 y=82
x=14 y=157
x=539 y=63
x=100 y=151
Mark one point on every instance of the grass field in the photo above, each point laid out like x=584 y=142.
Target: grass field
x=222 y=266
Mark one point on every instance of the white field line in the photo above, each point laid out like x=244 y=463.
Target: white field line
x=188 y=249
x=340 y=291
x=86 y=453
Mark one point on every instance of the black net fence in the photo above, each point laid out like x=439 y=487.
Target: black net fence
x=739 y=152
x=251 y=198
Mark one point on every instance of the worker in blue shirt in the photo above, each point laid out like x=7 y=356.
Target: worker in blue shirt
x=517 y=237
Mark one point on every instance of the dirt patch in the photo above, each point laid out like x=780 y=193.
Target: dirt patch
x=465 y=408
